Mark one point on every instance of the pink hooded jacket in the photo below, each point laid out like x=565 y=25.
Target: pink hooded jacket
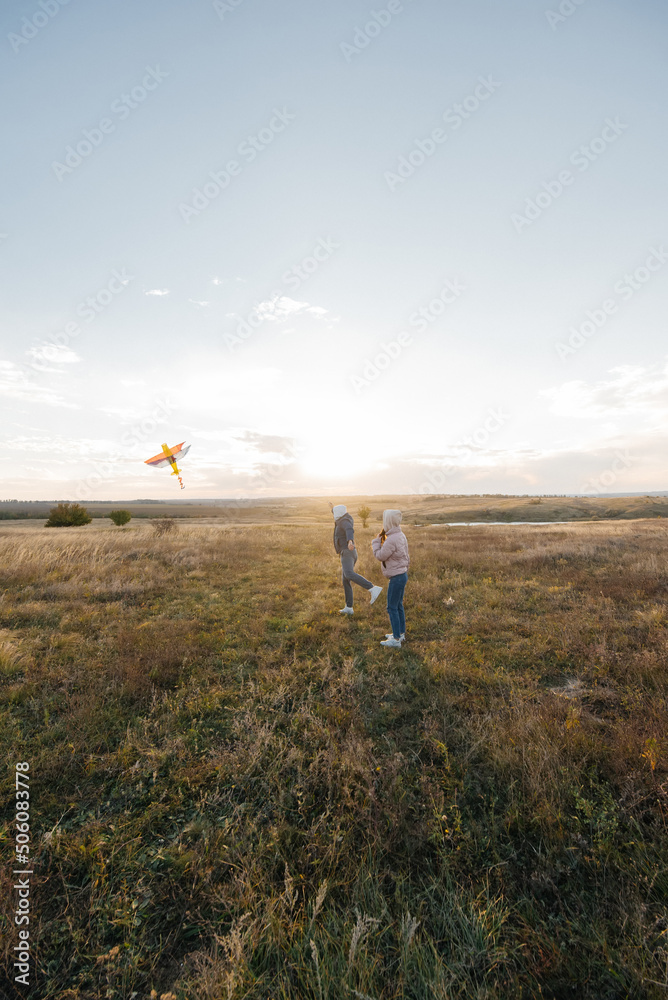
x=394 y=553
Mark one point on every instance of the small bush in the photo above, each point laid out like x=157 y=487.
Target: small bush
x=164 y=526
x=67 y=515
x=120 y=517
x=364 y=512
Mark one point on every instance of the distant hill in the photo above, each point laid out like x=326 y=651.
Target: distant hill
x=417 y=509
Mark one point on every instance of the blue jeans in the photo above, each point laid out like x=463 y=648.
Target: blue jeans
x=348 y=560
x=395 y=604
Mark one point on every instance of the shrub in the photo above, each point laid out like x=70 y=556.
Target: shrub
x=164 y=526
x=67 y=515
x=364 y=512
x=120 y=517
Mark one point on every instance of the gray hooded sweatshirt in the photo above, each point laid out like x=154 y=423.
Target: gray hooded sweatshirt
x=344 y=532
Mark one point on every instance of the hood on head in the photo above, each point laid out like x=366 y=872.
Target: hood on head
x=339 y=510
x=391 y=519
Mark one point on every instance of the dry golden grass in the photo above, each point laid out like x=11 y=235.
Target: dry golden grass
x=238 y=793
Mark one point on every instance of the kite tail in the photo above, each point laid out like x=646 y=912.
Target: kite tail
x=181 y=481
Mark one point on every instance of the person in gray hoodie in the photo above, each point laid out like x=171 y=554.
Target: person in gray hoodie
x=390 y=547
x=344 y=544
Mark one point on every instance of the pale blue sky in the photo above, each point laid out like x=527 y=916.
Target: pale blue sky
x=74 y=425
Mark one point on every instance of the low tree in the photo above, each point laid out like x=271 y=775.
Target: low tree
x=67 y=515
x=364 y=512
x=120 y=517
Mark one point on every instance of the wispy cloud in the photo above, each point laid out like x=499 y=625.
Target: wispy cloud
x=631 y=390
x=53 y=354
x=16 y=384
x=123 y=415
x=268 y=444
x=51 y=446
x=222 y=281
x=157 y=291
x=201 y=304
x=282 y=306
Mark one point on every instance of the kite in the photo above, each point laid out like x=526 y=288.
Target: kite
x=168 y=456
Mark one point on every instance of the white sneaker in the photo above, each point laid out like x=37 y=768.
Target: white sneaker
x=375 y=592
x=390 y=635
x=391 y=643
x=346 y=611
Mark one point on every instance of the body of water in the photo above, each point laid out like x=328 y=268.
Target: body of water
x=475 y=524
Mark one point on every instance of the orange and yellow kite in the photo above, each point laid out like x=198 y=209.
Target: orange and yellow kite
x=168 y=456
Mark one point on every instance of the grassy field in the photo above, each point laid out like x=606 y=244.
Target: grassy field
x=237 y=793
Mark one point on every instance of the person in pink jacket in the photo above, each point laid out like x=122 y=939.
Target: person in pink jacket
x=390 y=547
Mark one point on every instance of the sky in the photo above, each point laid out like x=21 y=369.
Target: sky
x=418 y=246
